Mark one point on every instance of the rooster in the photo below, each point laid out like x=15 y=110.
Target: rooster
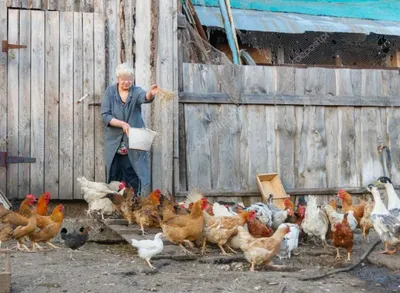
x=347 y=205
x=42 y=204
x=315 y=222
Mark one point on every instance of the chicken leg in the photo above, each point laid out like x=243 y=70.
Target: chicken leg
x=387 y=251
x=222 y=250
x=231 y=249
x=52 y=245
x=34 y=245
x=148 y=261
x=252 y=267
x=348 y=256
x=203 y=247
x=338 y=256
x=142 y=230
x=184 y=250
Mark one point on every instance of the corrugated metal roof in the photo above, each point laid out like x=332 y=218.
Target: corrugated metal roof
x=252 y=20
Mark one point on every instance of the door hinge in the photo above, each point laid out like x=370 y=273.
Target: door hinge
x=5 y=46
x=5 y=160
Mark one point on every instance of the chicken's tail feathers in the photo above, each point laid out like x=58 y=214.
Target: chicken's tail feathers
x=135 y=243
x=192 y=197
x=63 y=232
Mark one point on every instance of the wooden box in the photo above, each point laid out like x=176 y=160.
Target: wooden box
x=5 y=273
x=270 y=183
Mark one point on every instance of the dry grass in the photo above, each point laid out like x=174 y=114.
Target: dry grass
x=166 y=95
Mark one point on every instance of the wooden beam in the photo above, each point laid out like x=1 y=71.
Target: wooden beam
x=292 y=192
x=181 y=21
x=265 y=99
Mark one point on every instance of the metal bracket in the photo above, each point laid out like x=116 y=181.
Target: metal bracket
x=5 y=46
x=94 y=104
x=5 y=160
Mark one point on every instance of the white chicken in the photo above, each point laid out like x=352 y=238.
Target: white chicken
x=385 y=224
x=393 y=199
x=149 y=248
x=315 y=222
x=222 y=211
x=113 y=185
x=290 y=241
x=263 y=213
x=335 y=217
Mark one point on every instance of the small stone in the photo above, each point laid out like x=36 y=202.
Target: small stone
x=225 y=267
x=153 y=290
x=257 y=288
x=377 y=285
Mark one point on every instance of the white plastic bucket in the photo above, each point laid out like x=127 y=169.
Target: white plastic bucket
x=141 y=138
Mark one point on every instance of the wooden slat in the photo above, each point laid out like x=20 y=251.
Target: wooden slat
x=98 y=6
x=36 y=4
x=113 y=57
x=25 y=3
x=14 y=4
x=13 y=129
x=24 y=142
x=52 y=99
x=87 y=5
x=332 y=145
x=66 y=104
x=53 y=5
x=264 y=99
x=69 y=5
x=126 y=22
x=78 y=108
x=3 y=93
x=37 y=101
x=88 y=88
x=99 y=87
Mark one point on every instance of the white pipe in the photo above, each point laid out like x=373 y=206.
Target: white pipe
x=81 y=99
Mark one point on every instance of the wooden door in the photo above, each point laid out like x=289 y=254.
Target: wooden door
x=64 y=60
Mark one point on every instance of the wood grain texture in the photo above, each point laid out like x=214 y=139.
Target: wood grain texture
x=13 y=90
x=53 y=88
x=78 y=108
x=37 y=4
x=66 y=104
x=98 y=6
x=87 y=6
x=69 y=5
x=332 y=124
x=88 y=88
x=24 y=142
x=112 y=39
x=99 y=88
x=3 y=94
x=127 y=26
x=53 y=5
x=25 y=3
x=37 y=100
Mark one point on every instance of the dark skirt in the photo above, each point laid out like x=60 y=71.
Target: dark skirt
x=122 y=170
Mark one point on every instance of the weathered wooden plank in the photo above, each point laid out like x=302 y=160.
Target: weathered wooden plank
x=315 y=82
x=285 y=126
x=394 y=136
x=88 y=88
x=24 y=138
x=99 y=88
x=111 y=10
x=258 y=80
x=66 y=104
x=69 y=5
x=3 y=93
x=37 y=100
x=37 y=4
x=13 y=90
x=25 y=3
x=332 y=144
x=265 y=99
x=127 y=25
x=14 y=4
x=197 y=123
x=52 y=100
x=87 y=6
x=343 y=83
x=98 y=6
x=214 y=135
x=285 y=80
x=78 y=108
x=53 y=5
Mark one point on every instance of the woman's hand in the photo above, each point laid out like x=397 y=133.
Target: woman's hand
x=152 y=91
x=125 y=127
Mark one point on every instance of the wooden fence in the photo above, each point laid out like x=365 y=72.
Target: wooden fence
x=318 y=128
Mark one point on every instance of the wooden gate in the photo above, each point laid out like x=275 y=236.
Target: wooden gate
x=64 y=60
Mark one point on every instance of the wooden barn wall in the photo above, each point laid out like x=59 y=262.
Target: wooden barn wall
x=224 y=146
x=73 y=49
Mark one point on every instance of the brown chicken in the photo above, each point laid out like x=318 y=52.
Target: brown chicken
x=343 y=237
x=333 y=204
x=42 y=204
x=365 y=222
x=218 y=230
x=123 y=203
x=261 y=250
x=255 y=227
x=14 y=225
x=185 y=228
x=347 y=205
x=147 y=215
x=25 y=208
x=49 y=227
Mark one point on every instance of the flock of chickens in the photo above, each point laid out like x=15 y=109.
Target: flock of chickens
x=261 y=230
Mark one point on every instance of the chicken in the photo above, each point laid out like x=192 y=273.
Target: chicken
x=365 y=222
x=147 y=214
x=347 y=205
x=75 y=240
x=333 y=204
x=42 y=203
x=99 y=186
x=263 y=213
x=222 y=211
x=288 y=204
x=261 y=250
x=278 y=216
x=185 y=228
x=49 y=227
x=335 y=217
x=149 y=248
x=290 y=241
x=315 y=222
x=196 y=195
x=123 y=203
x=25 y=208
x=255 y=227
x=385 y=224
x=343 y=237
x=393 y=200
x=218 y=230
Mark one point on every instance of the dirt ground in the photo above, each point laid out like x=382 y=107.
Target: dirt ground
x=116 y=268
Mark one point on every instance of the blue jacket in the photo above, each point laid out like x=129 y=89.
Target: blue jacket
x=131 y=113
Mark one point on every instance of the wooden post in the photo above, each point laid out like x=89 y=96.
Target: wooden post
x=3 y=92
x=167 y=78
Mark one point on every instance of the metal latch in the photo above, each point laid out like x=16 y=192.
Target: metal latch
x=5 y=46
x=5 y=160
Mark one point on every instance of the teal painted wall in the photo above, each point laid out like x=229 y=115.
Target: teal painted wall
x=367 y=9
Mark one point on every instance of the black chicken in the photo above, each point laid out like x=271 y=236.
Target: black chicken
x=75 y=240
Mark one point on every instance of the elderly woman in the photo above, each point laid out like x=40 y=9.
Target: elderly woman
x=120 y=110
